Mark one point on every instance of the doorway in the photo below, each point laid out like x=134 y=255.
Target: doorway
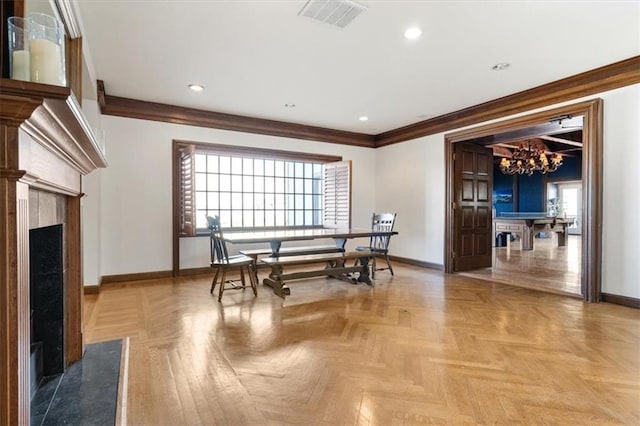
x=591 y=185
x=570 y=203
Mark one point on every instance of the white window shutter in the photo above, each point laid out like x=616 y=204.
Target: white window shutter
x=337 y=195
x=186 y=178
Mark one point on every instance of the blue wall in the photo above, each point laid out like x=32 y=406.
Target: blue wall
x=530 y=189
x=502 y=189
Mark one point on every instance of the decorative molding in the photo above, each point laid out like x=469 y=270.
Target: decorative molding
x=609 y=77
x=591 y=184
x=631 y=302
x=68 y=18
x=266 y=153
x=144 y=110
x=205 y=270
x=420 y=263
x=153 y=275
x=43 y=132
x=12 y=174
x=139 y=276
x=52 y=116
x=92 y=289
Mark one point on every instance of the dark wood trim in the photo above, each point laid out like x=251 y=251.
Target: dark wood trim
x=205 y=270
x=273 y=154
x=74 y=66
x=52 y=116
x=419 y=263
x=175 y=201
x=145 y=110
x=74 y=342
x=139 y=276
x=92 y=289
x=609 y=77
x=227 y=149
x=630 y=302
x=154 y=275
x=591 y=184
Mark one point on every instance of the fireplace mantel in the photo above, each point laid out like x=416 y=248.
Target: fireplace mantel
x=45 y=143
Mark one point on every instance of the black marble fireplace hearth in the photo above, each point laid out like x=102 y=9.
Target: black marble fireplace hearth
x=85 y=394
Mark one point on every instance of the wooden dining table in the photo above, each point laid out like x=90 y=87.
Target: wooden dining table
x=275 y=238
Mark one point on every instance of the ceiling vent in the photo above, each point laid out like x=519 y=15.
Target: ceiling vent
x=339 y=13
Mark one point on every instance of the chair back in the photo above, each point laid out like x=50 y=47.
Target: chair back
x=217 y=245
x=381 y=222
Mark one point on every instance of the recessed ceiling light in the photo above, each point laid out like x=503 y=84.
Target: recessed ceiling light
x=412 y=33
x=364 y=118
x=501 y=66
x=196 y=87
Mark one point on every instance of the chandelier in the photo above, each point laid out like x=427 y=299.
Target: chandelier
x=530 y=159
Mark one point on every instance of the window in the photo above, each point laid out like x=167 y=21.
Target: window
x=258 y=188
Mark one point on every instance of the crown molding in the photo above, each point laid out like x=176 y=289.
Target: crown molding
x=52 y=116
x=134 y=108
x=609 y=77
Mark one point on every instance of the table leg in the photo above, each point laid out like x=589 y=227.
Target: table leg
x=340 y=242
x=562 y=238
x=275 y=282
x=275 y=247
x=364 y=273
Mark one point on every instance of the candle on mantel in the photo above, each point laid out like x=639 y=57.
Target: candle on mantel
x=20 y=65
x=46 y=65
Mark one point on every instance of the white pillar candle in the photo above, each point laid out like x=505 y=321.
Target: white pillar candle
x=20 y=65
x=46 y=65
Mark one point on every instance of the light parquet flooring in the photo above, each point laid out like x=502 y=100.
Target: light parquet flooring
x=423 y=347
x=547 y=267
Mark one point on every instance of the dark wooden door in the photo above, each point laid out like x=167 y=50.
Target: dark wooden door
x=473 y=186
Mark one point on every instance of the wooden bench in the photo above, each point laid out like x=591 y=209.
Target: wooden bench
x=293 y=251
x=335 y=266
x=289 y=251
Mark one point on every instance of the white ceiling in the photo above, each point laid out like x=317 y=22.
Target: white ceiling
x=255 y=56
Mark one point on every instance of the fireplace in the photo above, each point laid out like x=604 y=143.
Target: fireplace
x=46 y=276
x=45 y=148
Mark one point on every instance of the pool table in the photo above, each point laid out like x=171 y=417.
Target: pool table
x=526 y=226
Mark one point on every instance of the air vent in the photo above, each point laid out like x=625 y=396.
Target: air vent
x=339 y=13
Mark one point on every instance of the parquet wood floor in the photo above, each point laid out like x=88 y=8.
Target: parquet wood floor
x=422 y=347
x=547 y=267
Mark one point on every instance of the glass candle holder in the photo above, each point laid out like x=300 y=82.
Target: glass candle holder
x=46 y=49
x=19 y=59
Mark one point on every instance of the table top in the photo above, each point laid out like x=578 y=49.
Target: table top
x=300 y=234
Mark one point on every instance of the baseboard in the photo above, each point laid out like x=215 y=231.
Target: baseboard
x=631 y=302
x=107 y=279
x=92 y=289
x=195 y=271
x=154 y=275
x=419 y=263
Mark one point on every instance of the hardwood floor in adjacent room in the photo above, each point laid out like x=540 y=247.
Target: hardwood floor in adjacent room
x=422 y=347
x=547 y=267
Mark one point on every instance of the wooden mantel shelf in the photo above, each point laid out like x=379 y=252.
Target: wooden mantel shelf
x=52 y=116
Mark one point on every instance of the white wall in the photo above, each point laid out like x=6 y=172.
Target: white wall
x=416 y=190
x=127 y=222
x=136 y=200
x=91 y=208
x=411 y=182
x=621 y=222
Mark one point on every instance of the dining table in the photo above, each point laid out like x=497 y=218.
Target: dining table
x=275 y=239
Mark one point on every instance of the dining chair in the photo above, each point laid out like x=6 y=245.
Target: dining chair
x=379 y=244
x=223 y=263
